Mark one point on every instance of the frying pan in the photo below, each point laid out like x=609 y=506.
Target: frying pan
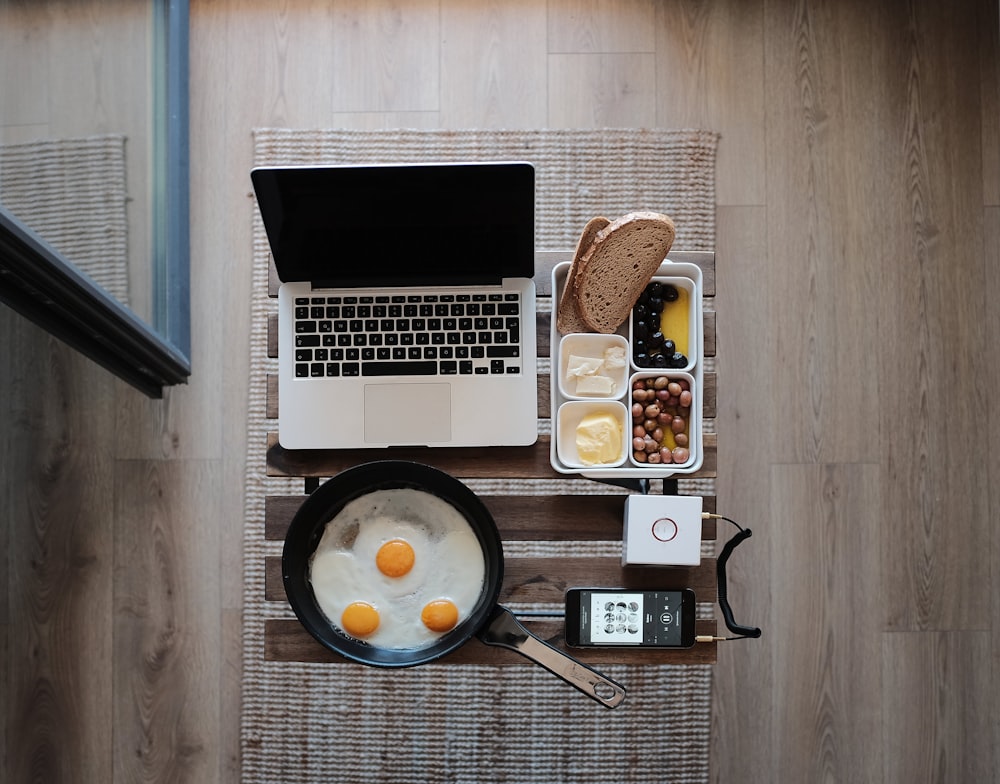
x=490 y=622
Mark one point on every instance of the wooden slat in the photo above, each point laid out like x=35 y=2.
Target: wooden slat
x=498 y=462
x=546 y=260
x=530 y=580
x=285 y=640
x=527 y=518
x=709 y=396
x=542 y=336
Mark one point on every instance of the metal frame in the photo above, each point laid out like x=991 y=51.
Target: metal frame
x=45 y=287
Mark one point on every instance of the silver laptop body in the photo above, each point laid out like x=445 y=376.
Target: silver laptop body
x=406 y=313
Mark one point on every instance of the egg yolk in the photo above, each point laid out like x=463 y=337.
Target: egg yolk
x=359 y=619
x=395 y=558
x=441 y=615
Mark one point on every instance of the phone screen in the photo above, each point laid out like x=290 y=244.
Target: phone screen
x=621 y=618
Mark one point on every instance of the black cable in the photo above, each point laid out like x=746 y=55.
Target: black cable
x=742 y=632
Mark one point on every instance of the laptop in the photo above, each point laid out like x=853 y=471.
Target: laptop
x=406 y=311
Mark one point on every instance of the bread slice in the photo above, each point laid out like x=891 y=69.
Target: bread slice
x=622 y=259
x=567 y=318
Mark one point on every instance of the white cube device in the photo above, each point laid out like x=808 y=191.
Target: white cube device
x=662 y=530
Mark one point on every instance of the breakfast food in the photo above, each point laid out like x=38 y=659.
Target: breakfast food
x=599 y=439
x=660 y=326
x=604 y=283
x=397 y=568
x=661 y=415
x=568 y=318
x=592 y=376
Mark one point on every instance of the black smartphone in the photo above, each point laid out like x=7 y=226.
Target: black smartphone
x=617 y=617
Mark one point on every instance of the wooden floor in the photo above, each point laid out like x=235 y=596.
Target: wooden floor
x=858 y=269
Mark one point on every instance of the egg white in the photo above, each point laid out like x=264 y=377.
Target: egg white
x=448 y=564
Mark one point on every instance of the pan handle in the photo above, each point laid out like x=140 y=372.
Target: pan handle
x=504 y=630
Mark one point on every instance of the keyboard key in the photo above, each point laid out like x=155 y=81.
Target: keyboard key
x=332 y=369
x=350 y=369
x=303 y=355
x=503 y=351
x=302 y=341
x=301 y=370
x=305 y=326
x=465 y=367
x=449 y=367
x=416 y=368
x=496 y=366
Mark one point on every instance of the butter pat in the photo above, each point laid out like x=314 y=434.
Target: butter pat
x=599 y=439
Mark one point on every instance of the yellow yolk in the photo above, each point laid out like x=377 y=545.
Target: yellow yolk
x=441 y=615
x=394 y=558
x=359 y=619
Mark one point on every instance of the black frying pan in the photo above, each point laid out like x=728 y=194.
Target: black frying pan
x=493 y=624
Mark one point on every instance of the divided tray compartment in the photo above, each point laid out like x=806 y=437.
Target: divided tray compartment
x=681 y=274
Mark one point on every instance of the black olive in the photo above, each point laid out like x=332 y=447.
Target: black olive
x=640 y=311
x=654 y=318
x=639 y=346
x=678 y=360
x=656 y=303
x=655 y=289
x=660 y=361
x=640 y=330
x=656 y=339
x=642 y=360
x=670 y=293
x=668 y=346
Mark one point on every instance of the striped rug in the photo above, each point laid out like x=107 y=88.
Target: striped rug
x=341 y=722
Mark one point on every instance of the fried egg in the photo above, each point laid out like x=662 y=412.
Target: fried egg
x=398 y=568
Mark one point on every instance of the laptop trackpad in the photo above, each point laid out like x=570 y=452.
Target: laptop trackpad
x=407 y=413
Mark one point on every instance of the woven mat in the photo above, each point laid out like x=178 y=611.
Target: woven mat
x=72 y=193
x=342 y=722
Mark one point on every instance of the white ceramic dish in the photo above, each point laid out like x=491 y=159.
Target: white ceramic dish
x=592 y=346
x=686 y=288
x=693 y=431
x=628 y=468
x=570 y=415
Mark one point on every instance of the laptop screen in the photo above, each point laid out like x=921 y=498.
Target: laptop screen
x=419 y=224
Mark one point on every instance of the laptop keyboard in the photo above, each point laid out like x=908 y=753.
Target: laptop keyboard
x=408 y=334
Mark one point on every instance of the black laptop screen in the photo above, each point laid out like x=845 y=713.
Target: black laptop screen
x=399 y=225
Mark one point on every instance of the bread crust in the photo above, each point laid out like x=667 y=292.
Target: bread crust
x=617 y=266
x=567 y=317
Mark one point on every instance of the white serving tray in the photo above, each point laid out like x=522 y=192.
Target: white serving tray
x=632 y=470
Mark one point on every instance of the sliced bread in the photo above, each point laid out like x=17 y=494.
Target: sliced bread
x=567 y=318
x=614 y=270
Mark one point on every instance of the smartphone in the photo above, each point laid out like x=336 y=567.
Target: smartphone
x=622 y=618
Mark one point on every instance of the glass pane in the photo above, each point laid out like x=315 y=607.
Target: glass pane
x=76 y=135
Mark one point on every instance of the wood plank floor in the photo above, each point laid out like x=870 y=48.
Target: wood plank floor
x=858 y=196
